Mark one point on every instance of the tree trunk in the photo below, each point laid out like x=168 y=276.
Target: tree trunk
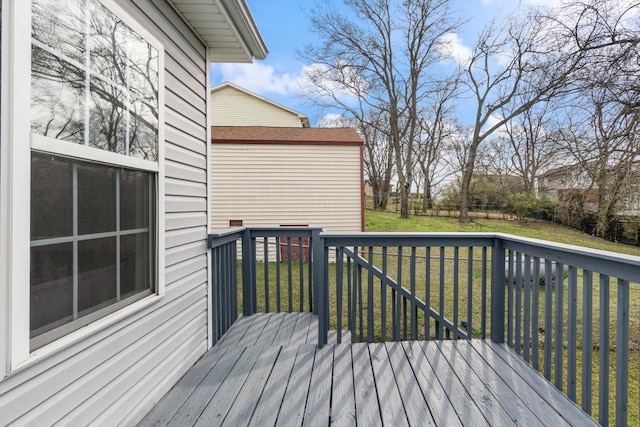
x=465 y=188
x=404 y=200
x=427 y=202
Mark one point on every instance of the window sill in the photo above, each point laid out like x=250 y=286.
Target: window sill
x=77 y=336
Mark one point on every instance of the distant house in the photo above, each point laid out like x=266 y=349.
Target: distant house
x=269 y=168
x=105 y=297
x=555 y=182
x=232 y=105
x=271 y=176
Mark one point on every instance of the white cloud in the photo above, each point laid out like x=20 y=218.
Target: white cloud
x=320 y=81
x=334 y=120
x=314 y=79
x=493 y=120
x=260 y=78
x=452 y=47
x=548 y=3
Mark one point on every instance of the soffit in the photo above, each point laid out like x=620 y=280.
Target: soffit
x=226 y=26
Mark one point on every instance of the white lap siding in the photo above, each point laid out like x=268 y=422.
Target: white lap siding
x=287 y=184
x=117 y=374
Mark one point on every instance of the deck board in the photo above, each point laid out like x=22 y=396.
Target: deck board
x=265 y=371
x=391 y=406
x=367 y=407
x=223 y=399
x=414 y=403
x=319 y=400
x=524 y=404
x=343 y=405
x=295 y=398
x=301 y=330
x=242 y=410
x=479 y=391
x=268 y=405
x=458 y=395
x=441 y=408
x=210 y=384
x=520 y=374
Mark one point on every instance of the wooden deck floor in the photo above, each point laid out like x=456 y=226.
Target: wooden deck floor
x=266 y=371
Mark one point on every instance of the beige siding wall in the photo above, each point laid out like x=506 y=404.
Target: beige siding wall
x=118 y=374
x=273 y=185
x=231 y=107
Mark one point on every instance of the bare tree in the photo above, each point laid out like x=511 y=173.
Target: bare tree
x=604 y=121
x=436 y=129
x=511 y=69
x=378 y=158
x=376 y=55
x=530 y=144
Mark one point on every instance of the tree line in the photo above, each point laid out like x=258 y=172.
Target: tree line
x=537 y=90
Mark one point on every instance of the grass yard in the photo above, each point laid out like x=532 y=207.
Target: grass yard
x=384 y=221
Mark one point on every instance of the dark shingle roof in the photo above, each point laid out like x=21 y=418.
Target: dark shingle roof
x=281 y=135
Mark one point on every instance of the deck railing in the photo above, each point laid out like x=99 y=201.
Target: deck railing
x=565 y=310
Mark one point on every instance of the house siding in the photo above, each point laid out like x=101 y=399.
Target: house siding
x=287 y=184
x=231 y=107
x=117 y=374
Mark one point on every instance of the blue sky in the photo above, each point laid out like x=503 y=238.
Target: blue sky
x=284 y=27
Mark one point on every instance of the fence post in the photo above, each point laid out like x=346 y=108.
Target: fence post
x=320 y=288
x=497 y=290
x=249 y=297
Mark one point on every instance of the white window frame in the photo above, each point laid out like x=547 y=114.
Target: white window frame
x=17 y=144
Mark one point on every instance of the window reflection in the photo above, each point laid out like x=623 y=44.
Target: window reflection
x=143 y=77
x=106 y=117
x=57 y=97
x=116 y=96
x=143 y=132
x=59 y=24
x=108 y=45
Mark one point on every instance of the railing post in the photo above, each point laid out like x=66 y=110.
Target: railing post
x=320 y=287
x=249 y=297
x=497 y=290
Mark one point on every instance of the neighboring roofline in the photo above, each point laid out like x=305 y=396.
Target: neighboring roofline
x=301 y=136
x=278 y=142
x=303 y=118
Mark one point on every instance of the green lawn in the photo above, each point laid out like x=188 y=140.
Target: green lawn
x=385 y=221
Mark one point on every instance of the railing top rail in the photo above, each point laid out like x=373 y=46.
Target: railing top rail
x=223 y=236
x=619 y=265
x=407 y=239
x=286 y=231
x=615 y=264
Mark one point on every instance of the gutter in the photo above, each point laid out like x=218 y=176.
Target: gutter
x=240 y=14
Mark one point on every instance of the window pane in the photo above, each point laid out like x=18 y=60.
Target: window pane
x=134 y=264
x=143 y=74
x=51 y=287
x=57 y=97
x=96 y=274
x=59 y=24
x=144 y=132
x=108 y=40
x=51 y=196
x=96 y=198
x=106 y=119
x=134 y=199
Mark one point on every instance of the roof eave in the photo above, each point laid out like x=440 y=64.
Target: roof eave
x=246 y=26
x=226 y=27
